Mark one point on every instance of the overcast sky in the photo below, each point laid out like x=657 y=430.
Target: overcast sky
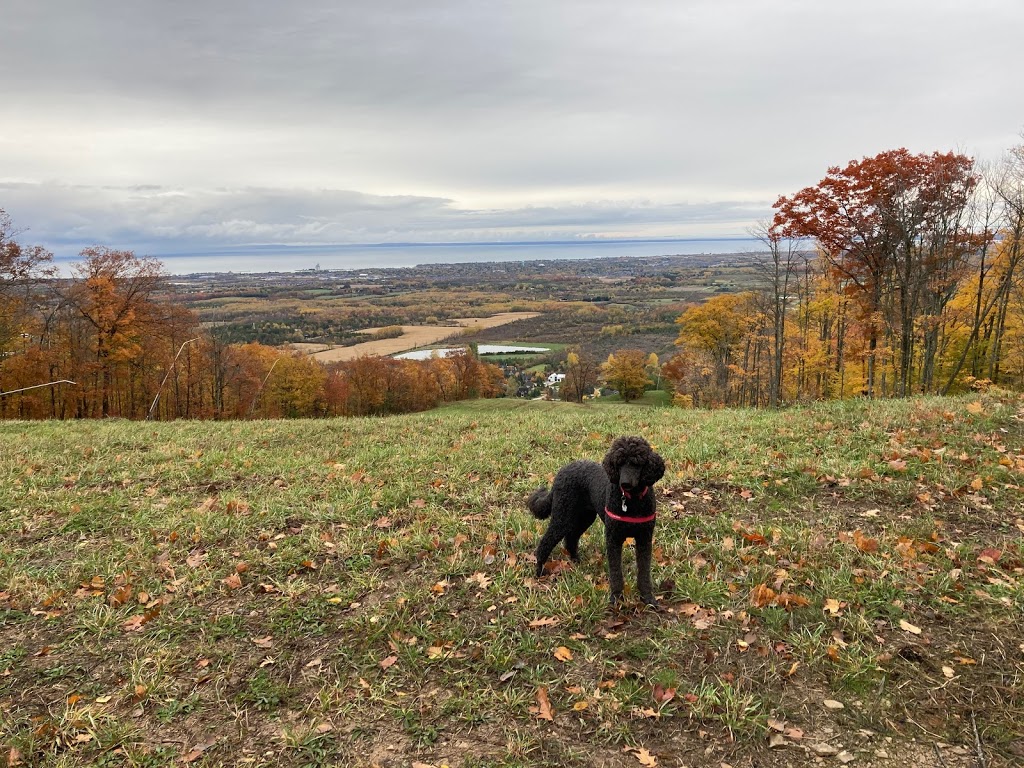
x=186 y=126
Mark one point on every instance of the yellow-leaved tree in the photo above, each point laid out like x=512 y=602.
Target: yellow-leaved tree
x=626 y=371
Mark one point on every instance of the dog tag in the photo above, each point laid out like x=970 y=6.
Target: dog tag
x=623 y=503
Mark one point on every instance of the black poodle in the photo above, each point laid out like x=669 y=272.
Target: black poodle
x=620 y=491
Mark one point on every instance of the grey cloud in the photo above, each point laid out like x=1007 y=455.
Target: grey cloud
x=157 y=220
x=461 y=118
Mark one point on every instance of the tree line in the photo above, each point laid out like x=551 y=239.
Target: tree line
x=894 y=275
x=897 y=274
x=110 y=341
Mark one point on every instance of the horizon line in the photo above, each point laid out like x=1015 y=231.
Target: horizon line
x=229 y=249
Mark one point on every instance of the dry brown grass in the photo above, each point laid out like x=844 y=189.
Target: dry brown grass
x=413 y=337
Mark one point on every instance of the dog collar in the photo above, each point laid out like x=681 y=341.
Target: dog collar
x=635 y=520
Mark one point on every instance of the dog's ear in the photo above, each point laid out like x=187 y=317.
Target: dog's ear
x=655 y=469
x=612 y=461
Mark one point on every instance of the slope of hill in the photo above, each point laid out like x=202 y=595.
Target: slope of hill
x=840 y=582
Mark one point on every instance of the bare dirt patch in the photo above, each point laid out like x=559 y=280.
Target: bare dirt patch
x=413 y=336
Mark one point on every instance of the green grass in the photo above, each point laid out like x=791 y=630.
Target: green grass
x=312 y=592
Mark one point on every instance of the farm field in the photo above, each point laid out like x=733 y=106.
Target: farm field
x=840 y=584
x=413 y=337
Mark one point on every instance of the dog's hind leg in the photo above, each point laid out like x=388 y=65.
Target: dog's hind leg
x=582 y=521
x=547 y=543
x=572 y=546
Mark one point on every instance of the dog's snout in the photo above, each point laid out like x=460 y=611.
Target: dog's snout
x=629 y=477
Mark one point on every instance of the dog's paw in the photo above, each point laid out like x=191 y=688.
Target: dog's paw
x=653 y=605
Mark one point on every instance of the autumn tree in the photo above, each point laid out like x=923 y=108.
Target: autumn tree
x=581 y=375
x=892 y=228
x=726 y=330
x=777 y=271
x=113 y=292
x=22 y=269
x=626 y=371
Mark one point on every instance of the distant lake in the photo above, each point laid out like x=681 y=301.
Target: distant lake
x=292 y=259
x=482 y=349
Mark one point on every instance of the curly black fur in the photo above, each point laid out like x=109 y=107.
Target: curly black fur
x=581 y=493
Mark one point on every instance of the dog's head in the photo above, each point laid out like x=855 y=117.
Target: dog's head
x=631 y=464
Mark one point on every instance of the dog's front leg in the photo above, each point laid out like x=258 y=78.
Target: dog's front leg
x=644 y=547
x=613 y=552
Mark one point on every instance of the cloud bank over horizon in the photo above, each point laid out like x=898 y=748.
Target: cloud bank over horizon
x=187 y=127
x=158 y=220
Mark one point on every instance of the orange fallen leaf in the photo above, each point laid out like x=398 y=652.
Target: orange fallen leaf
x=761 y=596
x=864 y=543
x=543 y=709
x=120 y=596
x=563 y=654
x=234 y=581
x=388 y=662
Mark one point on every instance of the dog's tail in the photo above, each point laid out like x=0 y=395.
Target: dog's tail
x=540 y=503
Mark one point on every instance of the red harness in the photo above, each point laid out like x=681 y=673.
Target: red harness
x=634 y=520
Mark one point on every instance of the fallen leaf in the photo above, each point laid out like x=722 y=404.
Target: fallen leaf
x=480 y=579
x=989 y=556
x=563 y=654
x=120 y=596
x=864 y=543
x=663 y=695
x=488 y=553
x=833 y=704
x=906 y=626
x=761 y=595
x=196 y=752
x=547 y=621
x=788 y=600
x=388 y=662
x=234 y=581
x=644 y=757
x=196 y=558
x=543 y=709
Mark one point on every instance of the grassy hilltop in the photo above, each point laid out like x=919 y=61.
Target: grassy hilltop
x=841 y=583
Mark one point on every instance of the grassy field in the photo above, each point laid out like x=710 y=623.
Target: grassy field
x=839 y=584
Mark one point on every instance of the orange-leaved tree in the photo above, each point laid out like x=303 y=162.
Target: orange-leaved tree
x=894 y=230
